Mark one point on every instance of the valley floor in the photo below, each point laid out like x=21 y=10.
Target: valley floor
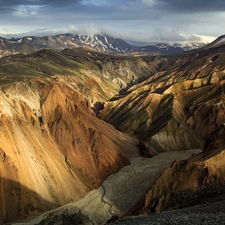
x=120 y=192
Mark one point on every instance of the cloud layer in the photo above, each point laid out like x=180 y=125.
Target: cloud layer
x=135 y=20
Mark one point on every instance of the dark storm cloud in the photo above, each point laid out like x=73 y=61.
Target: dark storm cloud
x=144 y=20
x=11 y=3
x=9 y=6
x=190 y=5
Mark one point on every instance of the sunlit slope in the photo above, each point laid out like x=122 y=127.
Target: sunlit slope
x=53 y=149
x=97 y=76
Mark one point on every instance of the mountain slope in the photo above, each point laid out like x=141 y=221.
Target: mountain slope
x=53 y=149
x=171 y=109
x=98 y=42
x=97 y=76
x=180 y=107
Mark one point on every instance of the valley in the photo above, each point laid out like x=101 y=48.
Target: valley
x=99 y=136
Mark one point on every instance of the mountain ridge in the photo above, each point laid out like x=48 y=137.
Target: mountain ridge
x=98 y=42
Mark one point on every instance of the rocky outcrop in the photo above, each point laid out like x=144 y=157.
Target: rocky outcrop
x=188 y=183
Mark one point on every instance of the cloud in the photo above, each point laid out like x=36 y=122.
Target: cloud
x=105 y=3
x=158 y=36
x=149 y=2
x=13 y=3
x=191 y=6
x=89 y=30
x=176 y=36
x=136 y=20
x=26 y=10
x=17 y=7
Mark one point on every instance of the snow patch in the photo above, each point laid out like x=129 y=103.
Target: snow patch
x=115 y=48
x=80 y=38
x=86 y=40
x=100 y=42
x=12 y=42
x=29 y=38
x=106 y=40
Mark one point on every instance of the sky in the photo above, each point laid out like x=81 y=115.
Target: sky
x=140 y=21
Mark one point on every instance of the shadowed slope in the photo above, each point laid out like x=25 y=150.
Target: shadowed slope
x=174 y=109
x=15 y=204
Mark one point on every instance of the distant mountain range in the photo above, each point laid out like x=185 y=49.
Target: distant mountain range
x=102 y=43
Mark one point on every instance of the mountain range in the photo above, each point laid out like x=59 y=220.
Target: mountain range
x=90 y=137
x=102 y=43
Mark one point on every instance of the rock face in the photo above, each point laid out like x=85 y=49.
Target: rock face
x=188 y=183
x=53 y=149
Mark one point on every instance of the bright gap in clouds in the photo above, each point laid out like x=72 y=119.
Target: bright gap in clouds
x=26 y=10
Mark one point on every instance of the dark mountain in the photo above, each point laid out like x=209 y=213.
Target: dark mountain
x=101 y=43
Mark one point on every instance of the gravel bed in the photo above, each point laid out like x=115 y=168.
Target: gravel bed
x=208 y=213
x=171 y=218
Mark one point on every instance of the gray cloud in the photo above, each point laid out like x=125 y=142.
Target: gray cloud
x=143 y=20
x=190 y=6
x=12 y=3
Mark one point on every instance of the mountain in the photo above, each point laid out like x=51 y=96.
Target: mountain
x=101 y=43
x=179 y=107
x=169 y=110
x=96 y=75
x=53 y=149
x=104 y=136
x=50 y=129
